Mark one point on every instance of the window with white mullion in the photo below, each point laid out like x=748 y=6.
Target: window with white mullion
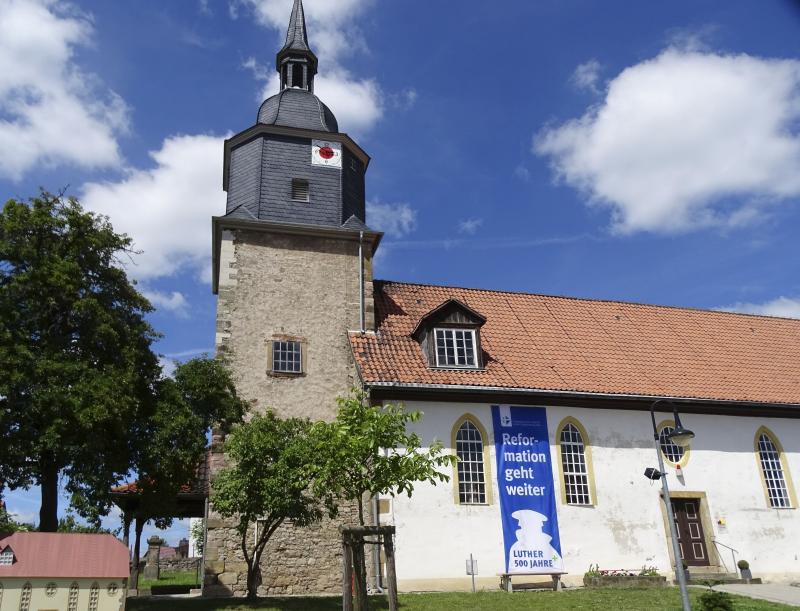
x=471 y=476
x=455 y=348
x=573 y=460
x=772 y=468
x=286 y=357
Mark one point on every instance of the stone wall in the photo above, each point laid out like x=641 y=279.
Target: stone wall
x=179 y=564
x=274 y=284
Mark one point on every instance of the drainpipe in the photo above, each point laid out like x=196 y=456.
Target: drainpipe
x=377 y=548
x=362 y=323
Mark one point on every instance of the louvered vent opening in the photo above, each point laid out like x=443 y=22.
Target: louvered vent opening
x=300 y=190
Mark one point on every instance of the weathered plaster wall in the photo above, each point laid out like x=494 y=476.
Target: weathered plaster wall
x=306 y=287
x=625 y=528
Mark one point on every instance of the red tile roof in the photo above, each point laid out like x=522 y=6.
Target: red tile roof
x=589 y=346
x=66 y=555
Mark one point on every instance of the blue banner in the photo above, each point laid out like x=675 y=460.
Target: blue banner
x=527 y=495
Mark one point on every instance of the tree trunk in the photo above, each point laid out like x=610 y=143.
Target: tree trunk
x=252 y=580
x=48 y=512
x=136 y=549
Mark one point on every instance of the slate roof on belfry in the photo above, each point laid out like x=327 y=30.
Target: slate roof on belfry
x=297 y=108
x=589 y=346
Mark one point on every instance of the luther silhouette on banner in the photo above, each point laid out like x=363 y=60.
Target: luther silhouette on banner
x=527 y=498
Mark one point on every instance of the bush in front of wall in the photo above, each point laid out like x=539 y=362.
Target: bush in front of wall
x=743 y=564
x=716 y=601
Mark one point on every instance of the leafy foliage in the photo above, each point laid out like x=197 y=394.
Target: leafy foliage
x=716 y=601
x=75 y=351
x=197 y=533
x=68 y=524
x=9 y=525
x=370 y=452
x=273 y=463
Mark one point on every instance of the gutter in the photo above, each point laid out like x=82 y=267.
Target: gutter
x=489 y=390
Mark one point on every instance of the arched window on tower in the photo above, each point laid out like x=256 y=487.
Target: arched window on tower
x=576 y=464
x=774 y=470
x=471 y=467
x=297 y=76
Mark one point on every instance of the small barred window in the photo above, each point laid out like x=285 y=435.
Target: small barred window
x=287 y=357
x=573 y=460
x=771 y=467
x=455 y=348
x=50 y=589
x=471 y=476
x=671 y=450
x=7 y=558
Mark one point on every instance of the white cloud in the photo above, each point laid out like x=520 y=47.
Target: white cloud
x=587 y=76
x=168 y=366
x=395 y=220
x=785 y=307
x=469 y=226
x=52 y=112
x=685 y=140
x=167 y=209
x=173 y=301
x=357 y=103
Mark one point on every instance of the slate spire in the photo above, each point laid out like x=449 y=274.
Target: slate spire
x=296 y=62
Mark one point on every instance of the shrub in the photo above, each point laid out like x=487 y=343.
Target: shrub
x=594 y=571
x=649 y=571
x=743 y=564
x=716 y=601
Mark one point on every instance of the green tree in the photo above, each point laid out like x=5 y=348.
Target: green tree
x=75 y=352
x=273 y=463
x=370 y=452
x=171 y=443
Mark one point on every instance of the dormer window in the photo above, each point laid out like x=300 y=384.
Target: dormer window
x=449 y=336
x=455 y=348
x=6 y=557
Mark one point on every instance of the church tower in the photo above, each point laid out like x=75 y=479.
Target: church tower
x=292 y=266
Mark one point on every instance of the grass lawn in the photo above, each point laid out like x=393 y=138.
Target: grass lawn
x=664 y=599
x=171 y=578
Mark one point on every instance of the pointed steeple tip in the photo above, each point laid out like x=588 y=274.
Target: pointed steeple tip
x=296 y=62
x=296 y=35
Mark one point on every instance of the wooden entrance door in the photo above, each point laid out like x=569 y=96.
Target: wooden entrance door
x=690 y=532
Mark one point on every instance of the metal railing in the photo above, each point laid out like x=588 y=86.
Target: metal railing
x=733 y=555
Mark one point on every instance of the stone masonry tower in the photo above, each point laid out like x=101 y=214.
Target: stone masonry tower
x=292 y=265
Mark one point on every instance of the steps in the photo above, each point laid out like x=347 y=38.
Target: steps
x=703 y=579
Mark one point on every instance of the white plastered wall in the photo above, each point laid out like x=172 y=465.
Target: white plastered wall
x=625 y=529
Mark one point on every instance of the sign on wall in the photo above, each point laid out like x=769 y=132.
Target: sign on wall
x=326 y=153
x=525 y=482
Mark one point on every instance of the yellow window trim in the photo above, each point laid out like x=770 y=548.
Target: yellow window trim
x=487 y=460
x=686 y=451
x=587 y=451
x=787 y=476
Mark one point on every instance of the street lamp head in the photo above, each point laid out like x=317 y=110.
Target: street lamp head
x=680 y=436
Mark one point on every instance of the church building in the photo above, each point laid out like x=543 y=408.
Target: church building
x=546 y=401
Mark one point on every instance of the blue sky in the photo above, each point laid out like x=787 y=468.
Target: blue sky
x=617 y=150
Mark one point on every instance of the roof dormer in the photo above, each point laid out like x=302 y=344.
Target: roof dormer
x=7 y=556
x=450 y=336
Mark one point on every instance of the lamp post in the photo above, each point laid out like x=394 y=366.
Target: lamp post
x=680 y=436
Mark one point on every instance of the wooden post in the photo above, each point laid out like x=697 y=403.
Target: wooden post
x=361 y=577
x=347 y=578
x=391 y=574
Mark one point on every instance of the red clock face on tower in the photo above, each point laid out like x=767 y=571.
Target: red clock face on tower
x=326 y=153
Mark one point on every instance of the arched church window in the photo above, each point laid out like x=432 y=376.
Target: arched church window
x=674 y=453
x=94 y=596
x=471 y=467
x=576 y=463
x=774 y=470
x=25 y=597
x=72 y=602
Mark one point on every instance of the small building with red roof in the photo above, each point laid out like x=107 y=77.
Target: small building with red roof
x=64 y=571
